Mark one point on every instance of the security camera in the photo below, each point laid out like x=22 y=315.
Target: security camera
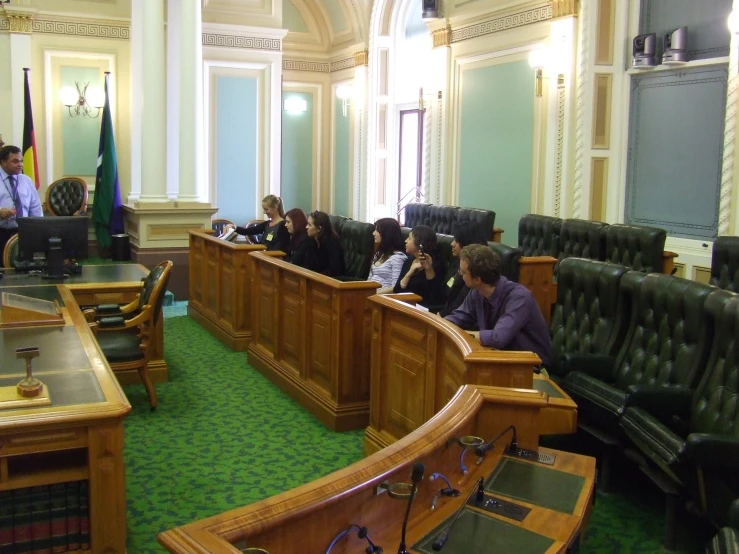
x=430 y=9
x=644 y=48
x=676 y=47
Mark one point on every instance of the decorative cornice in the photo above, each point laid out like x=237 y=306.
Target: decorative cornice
x=564 y=8
x=85 y=28
x=346 y=63
x=19 y=19
x=240 y=41
x=361 y=58
x=304 y=65
x=442 y=37
x=511 y=21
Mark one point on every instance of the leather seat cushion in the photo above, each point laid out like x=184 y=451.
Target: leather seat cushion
x=636 y=246
x=337 y=222
x=66 y=196
x=441 y=218
x=484 y=218
x=359 y=248
x=120 y=347
x=538 y=235
x=597 y=401
x=654 y=439
x=415 y=214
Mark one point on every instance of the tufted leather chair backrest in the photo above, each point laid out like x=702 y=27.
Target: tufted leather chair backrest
x=218 y=224
x=668 y=338
x=586 y=318
x=636 y=246
x=337 y=222
x=359 y=247
x=725 y=263
x=441 y=218
x=715 y=403
x=484 y=218
x=160 y=287
x=445 y=251
x=149 y=282
x=416 y=214
x=538 y=235
x=67 y=196
x=582 y=239
x=509 y=257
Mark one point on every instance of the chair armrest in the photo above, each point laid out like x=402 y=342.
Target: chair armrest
x=103 y=310
x=713 y=451
x=664 y=403
x=113 y=322
x=595 y=365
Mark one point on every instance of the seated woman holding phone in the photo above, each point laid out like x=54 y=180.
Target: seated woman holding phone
x=423 y=271
x=325 y=254
x=389 y=254
x=300 y=243
x=273 y=231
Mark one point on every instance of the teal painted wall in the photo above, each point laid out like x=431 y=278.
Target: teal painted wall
x=342 y=165
x=80 y=134
x=497 y=138
x=297 y=155
x=291 y=18
x=236 y=139
x=335 y=14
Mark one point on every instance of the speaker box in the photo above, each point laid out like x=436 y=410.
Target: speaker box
x=676 y=47
x=644 y=49
x=430 y=9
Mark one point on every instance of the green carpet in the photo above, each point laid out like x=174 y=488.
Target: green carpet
x=223 y=436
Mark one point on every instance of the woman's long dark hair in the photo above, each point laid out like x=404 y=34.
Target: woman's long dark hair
x=426 y=237
x=299 y=221
x=391 y=239
x=322 y=221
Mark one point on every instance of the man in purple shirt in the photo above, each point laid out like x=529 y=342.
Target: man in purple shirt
x=505 y=312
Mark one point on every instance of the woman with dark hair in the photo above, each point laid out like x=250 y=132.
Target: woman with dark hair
x=300 y=244
x=326 y=255
x=423 y=271
x=465 y=233
x=273 y=231
x=389 y=256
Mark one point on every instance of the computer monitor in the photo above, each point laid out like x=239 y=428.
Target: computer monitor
x=36 y=235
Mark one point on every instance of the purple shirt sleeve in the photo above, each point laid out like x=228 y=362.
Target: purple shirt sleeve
x=465 y=315
x=509 y=324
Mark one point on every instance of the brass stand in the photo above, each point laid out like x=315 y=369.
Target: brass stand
x=30 y=387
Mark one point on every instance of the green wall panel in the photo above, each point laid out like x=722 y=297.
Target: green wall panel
x=291 y=18
x=342 y=165
x=80 y=134
x=496 y=142
x=297 y=154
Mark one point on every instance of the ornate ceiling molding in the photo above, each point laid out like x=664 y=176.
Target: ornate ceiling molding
x=19 y=19
x=510 y=21
x=442 y=37
x=305 y=65
x=239 y=41
x=345 y=63
x=564 y=8
x=85 y=28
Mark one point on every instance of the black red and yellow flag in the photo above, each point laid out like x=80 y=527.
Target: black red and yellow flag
x=30 y=157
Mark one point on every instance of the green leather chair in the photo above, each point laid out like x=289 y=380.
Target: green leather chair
x=692 y=436
x=726 y=540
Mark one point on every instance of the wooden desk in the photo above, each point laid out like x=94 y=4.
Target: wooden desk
x=307 y=518
x=310 y=336
x=98 y=284
x=220 y=280
x=419 y=361
x=79 y=437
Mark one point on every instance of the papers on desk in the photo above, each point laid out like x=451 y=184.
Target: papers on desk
x=421 y=308
x=229 y=235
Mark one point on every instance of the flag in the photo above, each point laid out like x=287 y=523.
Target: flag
x=107 y=212
x=30 y=159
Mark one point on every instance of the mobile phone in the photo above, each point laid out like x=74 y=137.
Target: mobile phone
x=421 y=253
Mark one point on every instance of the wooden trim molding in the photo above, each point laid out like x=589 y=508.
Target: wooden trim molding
x=605 y=26
x=603 y=86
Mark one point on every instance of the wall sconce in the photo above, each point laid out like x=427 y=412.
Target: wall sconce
x=344 y=93
x=295 y=105
x=539 y=59
x=78 y=102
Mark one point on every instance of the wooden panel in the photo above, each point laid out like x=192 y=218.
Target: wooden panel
x=536 y=273
x=313 y=514
x=701 y=274
x=599 y=188
x=604 y=37
x=602 y=111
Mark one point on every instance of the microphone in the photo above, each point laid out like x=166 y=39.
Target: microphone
x=371 y=549
x=488 y=446
x=444 y=535
x=416 y=476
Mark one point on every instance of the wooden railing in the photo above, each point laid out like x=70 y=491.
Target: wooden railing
x=310 y=336
x=220 y=296
x=307 y=518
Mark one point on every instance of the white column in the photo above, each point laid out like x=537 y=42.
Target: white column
x=174 y=74
x=20 y=57
x=153 y=109
x=191 y=146
x=137 y=96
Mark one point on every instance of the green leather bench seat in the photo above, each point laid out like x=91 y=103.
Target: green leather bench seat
x=666 y=344
x=584 y=319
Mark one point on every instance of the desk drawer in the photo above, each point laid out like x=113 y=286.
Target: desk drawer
x=94 y=298
x=42 y=441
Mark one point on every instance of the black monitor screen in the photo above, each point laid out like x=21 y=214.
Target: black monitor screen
x=34 y=234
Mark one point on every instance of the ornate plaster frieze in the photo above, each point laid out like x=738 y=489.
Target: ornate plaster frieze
x=510 y=21
x=19 y=19
x=361 y=57
x=85 y=28
x=345 y=63
x=240 y=41
x=564 y=8
x=442 y=37
x=306 y=65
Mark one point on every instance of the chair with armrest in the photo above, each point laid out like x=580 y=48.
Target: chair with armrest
x=66 y=196
x=10 y=252
x=484 y=218
x=114 y=314
x=359 y=247
x=416 y=213
x=218 y=225
x=538 y=235
x=253 y=239
x=726 y=540
x=337 y=222
x=581 y=238
x=127 y=343
x=639 y=247
x=692 y=436
x=725 y=263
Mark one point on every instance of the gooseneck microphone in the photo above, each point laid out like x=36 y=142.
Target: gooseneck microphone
x=361 y=533
x=416 y=476
x=444 y=535
x=488 y=446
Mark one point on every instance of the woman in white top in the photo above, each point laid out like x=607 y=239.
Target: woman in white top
x=389 y=254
